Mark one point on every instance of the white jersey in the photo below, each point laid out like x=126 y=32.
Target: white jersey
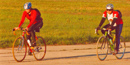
x=110 y=17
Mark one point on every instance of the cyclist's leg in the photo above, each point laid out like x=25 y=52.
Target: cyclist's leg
x=32 y=31
x=38 y=27
x=28 y=37
x=33 y=37
x=118 y=33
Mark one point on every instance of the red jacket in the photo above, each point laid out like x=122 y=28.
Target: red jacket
x=34 y=17
x=115 y=15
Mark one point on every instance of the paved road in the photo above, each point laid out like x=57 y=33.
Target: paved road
x=66 y=55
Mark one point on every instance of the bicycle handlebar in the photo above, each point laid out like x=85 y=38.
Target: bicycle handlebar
x=96 y=31
x=21 y=28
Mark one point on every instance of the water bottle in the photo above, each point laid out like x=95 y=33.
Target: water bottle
x=29 y=42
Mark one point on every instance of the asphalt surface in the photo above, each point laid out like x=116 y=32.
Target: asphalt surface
x=67 y=55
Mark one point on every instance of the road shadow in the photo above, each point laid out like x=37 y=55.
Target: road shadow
x=58 y=58
x=127 y=53
x=69 y=57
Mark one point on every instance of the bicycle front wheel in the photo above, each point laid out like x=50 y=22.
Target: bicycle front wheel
x=102 y=48
x=122 y=48
x=39 y=49
x=19 y=49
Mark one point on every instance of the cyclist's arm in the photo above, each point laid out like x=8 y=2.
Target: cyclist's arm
x=103 y=18
x=34 y=15
x=22 y=19
x=115 y=18
x=102 y=21
x=114 y=21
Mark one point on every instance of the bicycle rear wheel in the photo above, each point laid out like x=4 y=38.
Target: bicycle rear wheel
x=102 y=48
x=122 y=48
x=39 y=49
x=19 y=49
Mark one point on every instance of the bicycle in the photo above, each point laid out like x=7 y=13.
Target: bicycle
x=20 y=44
x=105 y=44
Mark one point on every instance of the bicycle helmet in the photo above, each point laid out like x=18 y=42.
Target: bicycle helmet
x=109 y=6
x=27 y=5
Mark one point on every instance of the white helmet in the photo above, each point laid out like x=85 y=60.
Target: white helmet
x=27 y=5
x=109 y=6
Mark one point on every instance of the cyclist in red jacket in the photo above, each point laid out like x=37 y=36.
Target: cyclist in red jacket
x=115 y=22
x=34 y=16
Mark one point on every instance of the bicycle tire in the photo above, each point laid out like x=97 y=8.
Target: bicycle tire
x=122 y=47
x=39 y=49
x=102 y=48
x=19 y=49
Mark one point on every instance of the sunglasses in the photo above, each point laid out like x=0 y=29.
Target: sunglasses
x=109 y=9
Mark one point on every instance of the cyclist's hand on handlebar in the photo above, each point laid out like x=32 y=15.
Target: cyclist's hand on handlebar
x=16 y=28
x=109 y=28
x=26 y=28
x=98 y=28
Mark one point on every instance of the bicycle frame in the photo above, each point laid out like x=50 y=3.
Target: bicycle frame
x=111 y=41
x=22 y=46
x=25 y=40
x=102 y=48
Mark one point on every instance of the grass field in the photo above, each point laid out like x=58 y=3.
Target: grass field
x=65 y=21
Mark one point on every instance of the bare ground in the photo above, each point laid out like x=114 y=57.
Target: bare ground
x=66 y=55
